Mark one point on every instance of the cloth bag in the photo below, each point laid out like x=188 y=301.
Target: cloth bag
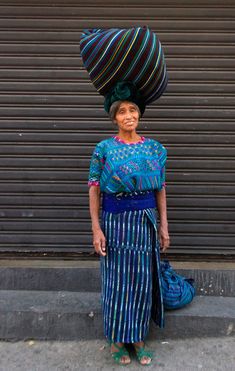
x=178 y=291
x=133 y=54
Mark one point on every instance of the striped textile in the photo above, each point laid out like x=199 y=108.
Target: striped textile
x=133 y=54
x=130 y=275
x=178 y=290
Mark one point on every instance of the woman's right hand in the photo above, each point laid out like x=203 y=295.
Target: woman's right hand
x=99 y=242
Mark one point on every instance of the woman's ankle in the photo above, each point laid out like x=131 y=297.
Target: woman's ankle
x=120 y=345
x=139 y=343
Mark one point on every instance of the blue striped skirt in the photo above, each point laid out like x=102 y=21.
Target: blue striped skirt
x=130 y=273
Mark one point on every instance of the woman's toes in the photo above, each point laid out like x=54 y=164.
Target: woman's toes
x=125 y=359
x=128 y=360
x=145 y=360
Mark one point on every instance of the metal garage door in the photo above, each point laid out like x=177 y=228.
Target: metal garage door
x=51 y=117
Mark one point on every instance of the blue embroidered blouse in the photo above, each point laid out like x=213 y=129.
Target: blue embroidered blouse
x=117 y=166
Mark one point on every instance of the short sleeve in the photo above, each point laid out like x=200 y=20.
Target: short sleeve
x=162 y=155
x=96 y=166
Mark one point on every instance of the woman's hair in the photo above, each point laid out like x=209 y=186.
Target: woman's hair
x=115 y=106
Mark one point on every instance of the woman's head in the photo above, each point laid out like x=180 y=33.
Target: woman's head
x=124 y=91
x=125 y=114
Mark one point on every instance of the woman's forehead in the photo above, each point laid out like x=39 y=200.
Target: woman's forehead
x=127 y=105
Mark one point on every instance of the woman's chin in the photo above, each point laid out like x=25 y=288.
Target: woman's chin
x=130 y=127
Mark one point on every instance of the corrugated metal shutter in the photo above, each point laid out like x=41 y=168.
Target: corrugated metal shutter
x=51 y=117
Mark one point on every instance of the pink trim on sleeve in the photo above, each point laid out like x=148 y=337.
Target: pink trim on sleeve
x=93 y=183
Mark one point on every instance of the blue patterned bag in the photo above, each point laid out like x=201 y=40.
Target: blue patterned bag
x=177 y=290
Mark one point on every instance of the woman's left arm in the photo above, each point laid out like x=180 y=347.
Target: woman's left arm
x=163 y=225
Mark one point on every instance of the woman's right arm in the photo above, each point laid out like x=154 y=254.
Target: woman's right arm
x=98 y=236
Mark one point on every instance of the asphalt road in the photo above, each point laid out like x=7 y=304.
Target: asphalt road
x=209 y=354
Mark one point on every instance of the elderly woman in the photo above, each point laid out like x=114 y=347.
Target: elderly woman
x=129 y=171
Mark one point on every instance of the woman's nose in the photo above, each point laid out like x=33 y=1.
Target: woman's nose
x=128 y=114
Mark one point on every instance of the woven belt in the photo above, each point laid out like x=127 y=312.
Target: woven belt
x=120 y=202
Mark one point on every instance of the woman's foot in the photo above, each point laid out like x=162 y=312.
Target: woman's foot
x=144 y=356
x=120 y=354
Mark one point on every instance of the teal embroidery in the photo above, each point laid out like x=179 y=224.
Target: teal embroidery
x=117 y=166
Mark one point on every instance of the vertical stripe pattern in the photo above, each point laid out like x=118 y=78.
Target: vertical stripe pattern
x=129 y=294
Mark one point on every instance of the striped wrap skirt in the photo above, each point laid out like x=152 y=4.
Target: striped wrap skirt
x=131 y=292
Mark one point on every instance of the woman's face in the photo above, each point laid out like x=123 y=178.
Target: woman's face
x=127 y=116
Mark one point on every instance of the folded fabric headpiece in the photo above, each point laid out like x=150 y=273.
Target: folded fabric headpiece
x=134 y=56
x=126 y=91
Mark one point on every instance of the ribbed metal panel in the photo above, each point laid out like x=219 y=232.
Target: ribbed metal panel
x=51 y=118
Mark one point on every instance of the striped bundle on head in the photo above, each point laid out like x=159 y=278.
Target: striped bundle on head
x=135 y=56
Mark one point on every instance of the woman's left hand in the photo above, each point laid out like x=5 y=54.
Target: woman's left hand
x=163 y=237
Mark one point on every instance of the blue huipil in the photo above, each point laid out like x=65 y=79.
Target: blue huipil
x=128 y=175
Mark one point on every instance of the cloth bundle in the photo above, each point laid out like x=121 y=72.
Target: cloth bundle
x=177 y=290
x=132 y=55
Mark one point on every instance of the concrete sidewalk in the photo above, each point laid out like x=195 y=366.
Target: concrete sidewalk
x=209 y=354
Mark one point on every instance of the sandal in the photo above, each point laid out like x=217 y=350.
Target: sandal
x=117 y=356
x=141 y=352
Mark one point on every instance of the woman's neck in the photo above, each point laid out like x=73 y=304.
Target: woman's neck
x=129 y=136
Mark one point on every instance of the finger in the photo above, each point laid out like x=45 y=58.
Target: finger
x=96 y=245
x=166 y=241
x=103 y=243
x=100 y=247
x=99 y=251
x=102 y=253
x=166 y=244
x=103 y=248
